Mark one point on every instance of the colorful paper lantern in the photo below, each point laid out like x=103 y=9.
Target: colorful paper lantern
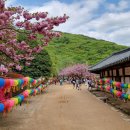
x=25 y=94
x=123 y=95
x=19 y=99
x=104 y=79
x=122 y=85
x=114 y=92
x=26 y=79
x=15 y=100
x=6 y=105
x=101 y=81
x=114 y=83
x=32 y=91
x=31 y=80
x=118 y=84
x=111 y=81
x=125 y=85
x=7 y=83
x=35 y=91
x=12 y=103
x=11 y=82
x=2 y=82
x=107 y=80
x=1 y=107
x=20 y=82
x=129 y=96
x=111 y=90
x=29 y=91
x=126 y=96
x=16 y=82
x=21 y=96
x=34 y=82
x=118 y=94
x=108 y=88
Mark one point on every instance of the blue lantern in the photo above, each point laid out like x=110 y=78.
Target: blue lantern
x=1 y=107
x=2 y=82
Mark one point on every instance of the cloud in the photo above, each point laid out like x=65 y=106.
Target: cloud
x=111 y=26
x=10 y=2
x=121 y=35
x=77 y=12
x=122 y=5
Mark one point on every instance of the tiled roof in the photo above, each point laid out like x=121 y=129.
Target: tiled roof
x=115 y=58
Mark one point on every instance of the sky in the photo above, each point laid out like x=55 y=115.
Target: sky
x=102 y=19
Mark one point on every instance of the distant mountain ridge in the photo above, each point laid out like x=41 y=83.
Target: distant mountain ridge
x=73 y=48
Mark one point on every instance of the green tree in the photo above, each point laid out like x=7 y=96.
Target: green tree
x=41 y=66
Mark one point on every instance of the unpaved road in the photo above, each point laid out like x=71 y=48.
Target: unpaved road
x=64 y=108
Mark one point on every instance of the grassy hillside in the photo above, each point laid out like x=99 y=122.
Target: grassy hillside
x=72 y=48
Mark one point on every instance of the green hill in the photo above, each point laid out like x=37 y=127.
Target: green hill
x=72 y=48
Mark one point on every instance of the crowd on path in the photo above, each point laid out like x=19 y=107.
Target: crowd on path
x=88 y=82
x=77 y=82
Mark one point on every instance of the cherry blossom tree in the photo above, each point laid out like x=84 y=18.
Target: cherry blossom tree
x=17 y=20
x=77 y=70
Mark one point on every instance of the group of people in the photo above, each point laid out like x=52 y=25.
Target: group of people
x=90 y=83
x=76 y=83
x=55 y=81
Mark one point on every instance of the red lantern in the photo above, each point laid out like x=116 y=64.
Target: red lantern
x=7 y=83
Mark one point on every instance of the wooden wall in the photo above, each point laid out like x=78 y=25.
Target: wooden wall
x=120 y=72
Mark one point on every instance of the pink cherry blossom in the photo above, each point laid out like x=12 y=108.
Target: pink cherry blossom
x=15 y=20
x=80 y=70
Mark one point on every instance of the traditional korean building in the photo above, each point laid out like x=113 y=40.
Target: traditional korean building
x=115 y=67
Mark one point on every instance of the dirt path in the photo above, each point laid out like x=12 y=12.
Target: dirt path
x=65 y=108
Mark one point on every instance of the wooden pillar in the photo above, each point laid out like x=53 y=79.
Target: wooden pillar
x=112 y=73
x=108 y=73
x=101 y=74
x=123 y=74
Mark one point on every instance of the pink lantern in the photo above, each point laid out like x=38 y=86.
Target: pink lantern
x=25 y=94
x=11 y=82
x=34 y=82
x=35 y=92
x=10 y=104
x=6 y=105
x=108 y=88
x=118 y=84
x=118 y=94
x=107 y=80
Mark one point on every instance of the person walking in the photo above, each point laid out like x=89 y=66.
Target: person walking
x=61 y=82
x=55 y=81
x=80 y=83
x=86 y=82
x=73 y=82
x=77 y=83
x=89 y=83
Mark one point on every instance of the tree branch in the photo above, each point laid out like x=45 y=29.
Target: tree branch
x=14 y=29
